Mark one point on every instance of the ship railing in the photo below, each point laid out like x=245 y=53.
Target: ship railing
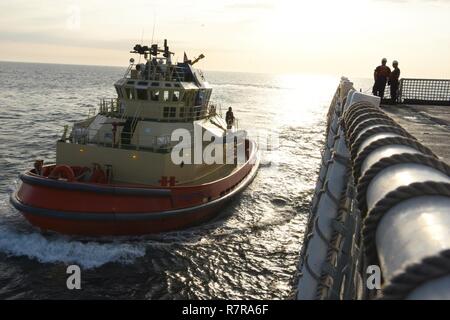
x=187 y=114
x=109 y=106
x=422 y=91
x=124 y=140
x=215 y=108
x=92 y=112
x=158 y=73
x=113 y=107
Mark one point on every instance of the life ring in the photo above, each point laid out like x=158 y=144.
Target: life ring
x=46 y=171
x=81 y=173
x=98 y=176
x=62 y=171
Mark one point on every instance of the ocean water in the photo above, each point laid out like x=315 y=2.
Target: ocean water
x=251 y=252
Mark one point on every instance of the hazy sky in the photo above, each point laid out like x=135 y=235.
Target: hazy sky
x=345 y=37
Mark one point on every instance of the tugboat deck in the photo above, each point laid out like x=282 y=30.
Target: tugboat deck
x=430 y=124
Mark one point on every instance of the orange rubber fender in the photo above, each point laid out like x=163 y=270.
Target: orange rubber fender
x=62 y=171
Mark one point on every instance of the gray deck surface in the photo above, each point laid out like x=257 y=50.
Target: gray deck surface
x=429 y=124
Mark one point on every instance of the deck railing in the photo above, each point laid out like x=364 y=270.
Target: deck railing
x=123 y=140
x=422 y=91
x=112 y=107
x=109 y=106
x=158 y=73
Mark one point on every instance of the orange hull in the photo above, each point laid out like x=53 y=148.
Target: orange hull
x=96 y=209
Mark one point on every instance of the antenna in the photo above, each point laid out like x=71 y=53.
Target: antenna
x=142 y=40
x=154 y=24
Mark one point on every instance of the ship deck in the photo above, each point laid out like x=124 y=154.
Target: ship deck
x=430 y=124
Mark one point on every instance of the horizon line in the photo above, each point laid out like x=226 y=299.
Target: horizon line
x=207 y=70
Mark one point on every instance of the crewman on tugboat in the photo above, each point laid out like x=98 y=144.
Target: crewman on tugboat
x=38 y=165
x=229 y=118
x=381 y=76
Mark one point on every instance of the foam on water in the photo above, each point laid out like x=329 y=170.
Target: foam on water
x=65 y=250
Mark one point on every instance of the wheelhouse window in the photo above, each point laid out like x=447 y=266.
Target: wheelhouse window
x=182 y=110
x=119 y=92
x=154 y=95
x=166 y=96
x=176 y=96
x=169 y=112
x=142 y=94
x=185 y=96
x=129 y=93
x=188 y=97
x=166 y=112
x=200 y=98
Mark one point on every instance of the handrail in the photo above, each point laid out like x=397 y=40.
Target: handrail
x=159 y=72
x=86 y=136
x=109 y=105
x=425 y=91
x=135 y=119
x=422 y=91
x=90 y=136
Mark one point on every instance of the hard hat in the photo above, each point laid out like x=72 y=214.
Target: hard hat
x=384 y=60
x=395 y=62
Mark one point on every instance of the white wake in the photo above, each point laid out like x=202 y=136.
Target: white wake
x=64 y=250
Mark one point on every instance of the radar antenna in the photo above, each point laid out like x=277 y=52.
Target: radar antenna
x=153 y=50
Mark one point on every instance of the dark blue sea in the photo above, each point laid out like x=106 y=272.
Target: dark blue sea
x=250 y=253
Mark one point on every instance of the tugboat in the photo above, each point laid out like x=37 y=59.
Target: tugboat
x=134 y=168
